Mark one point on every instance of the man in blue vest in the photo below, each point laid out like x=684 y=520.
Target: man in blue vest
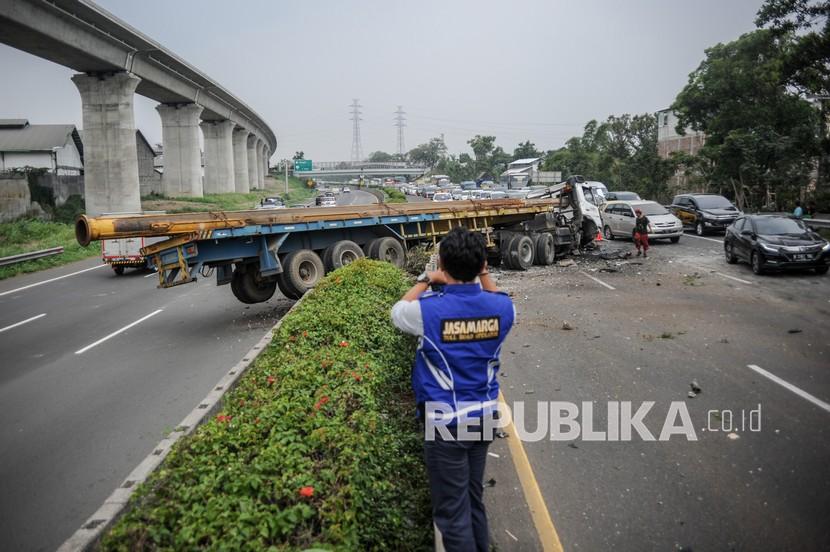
x=461 y=330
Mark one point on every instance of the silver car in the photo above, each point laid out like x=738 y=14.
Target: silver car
x=618 y=220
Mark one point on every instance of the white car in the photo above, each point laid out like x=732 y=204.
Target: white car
x=618 y=220
x=442 y=196
x=347 y=190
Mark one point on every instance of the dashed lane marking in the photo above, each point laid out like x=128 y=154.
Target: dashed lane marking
x=724 y=275
x=597 y=280
x=789 y=386
x=116 y=332
x=22 y=322
x=702 y=238
x=49 y=280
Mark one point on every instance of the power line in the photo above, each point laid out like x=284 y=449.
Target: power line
x=400 y=122
x=357 y=150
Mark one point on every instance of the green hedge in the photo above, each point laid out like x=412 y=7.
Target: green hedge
x=317 y=447
x=394 y=196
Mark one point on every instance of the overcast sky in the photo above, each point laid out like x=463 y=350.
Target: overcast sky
x=519 y=70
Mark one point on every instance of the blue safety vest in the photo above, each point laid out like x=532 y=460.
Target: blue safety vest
x=458 y=356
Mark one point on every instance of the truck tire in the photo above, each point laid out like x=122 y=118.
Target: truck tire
x=544 y=250
x=521 y=252
x=340 y=254
x=249 y=288
x=301 y=271
x=389 y=250
x=505 y=247
x=118 y=269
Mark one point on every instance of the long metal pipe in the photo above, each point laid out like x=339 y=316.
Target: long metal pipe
x=89 y=229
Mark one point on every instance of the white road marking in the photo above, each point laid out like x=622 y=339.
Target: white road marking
x=702 y=238
x=22 y=322
x=152 y=274
x=786 y=385
x=50 y=280
x=113 y=334
x=725 y=275
x=597 y=280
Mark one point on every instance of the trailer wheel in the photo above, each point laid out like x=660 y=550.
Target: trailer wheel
x=340 y=254
x=250 y=288
x=302 y=270
x=118 y=269
x=504 y=247
x=389 y=250
x=521 y=252
x=544 y=249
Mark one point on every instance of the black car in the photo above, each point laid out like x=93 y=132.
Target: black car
x=775 y=242
x=704 y=212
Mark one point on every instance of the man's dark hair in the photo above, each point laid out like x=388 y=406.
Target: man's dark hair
x=463 y=254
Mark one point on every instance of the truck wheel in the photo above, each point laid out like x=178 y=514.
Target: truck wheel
x=505 y=247
x=250 y=288
x=389 y=250
x=544 y=249
x=302 y=270
x=521 y=252
x=340 y=254
x=119 y=270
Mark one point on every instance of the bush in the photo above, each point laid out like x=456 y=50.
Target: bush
x=316 y=447
x=394 y=196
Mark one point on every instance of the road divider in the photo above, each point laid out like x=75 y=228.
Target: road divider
x=316 y=446
x=49 y=280
x=116 y=332
x=22 y=322
x=790 y=387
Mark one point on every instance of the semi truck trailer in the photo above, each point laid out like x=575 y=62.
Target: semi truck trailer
x=257 y=252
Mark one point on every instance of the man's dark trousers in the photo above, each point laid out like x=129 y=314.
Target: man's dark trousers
x=456 y=474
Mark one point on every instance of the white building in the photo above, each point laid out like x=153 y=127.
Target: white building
x=57 y=148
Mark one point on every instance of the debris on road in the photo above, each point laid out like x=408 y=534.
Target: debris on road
x=511 y=535
x=692 y=394
x=573 y=445
x=695 y=387
x=794 y=331
x=733 y=436
x=502 y=435
x=567 y=262
x=566 y=326
x=490 y=483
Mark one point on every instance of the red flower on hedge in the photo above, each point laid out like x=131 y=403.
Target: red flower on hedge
x=344 y=343
x=222 y=418
x=306 y=492
x=305 y=333
x=271 y=380
x=323 y=400
x=356 y=376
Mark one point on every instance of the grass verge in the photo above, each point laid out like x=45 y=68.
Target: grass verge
x=24 y=236
x=394 y=196
x=317 y=447
x=298 y=193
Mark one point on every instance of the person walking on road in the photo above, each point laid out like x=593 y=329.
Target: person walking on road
x=460 y=329
x=642 y=228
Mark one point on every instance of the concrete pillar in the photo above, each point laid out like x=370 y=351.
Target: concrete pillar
x=260 y=151
x=218 y=156
x=253 y=167
x=110 y=156
x=240 y=160
x=182 y=155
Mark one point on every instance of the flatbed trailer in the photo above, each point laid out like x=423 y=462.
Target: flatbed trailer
x=291 y=249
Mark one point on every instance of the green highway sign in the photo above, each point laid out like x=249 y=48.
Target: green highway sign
x=302 y=165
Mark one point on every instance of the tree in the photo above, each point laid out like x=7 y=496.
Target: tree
x=298 y=155
x=430 y=153
x=526 y=150
x=760 y=137
x=806 y=63
x=380 y=157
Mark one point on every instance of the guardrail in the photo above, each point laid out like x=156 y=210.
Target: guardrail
x=14 y=259
x=817 y=223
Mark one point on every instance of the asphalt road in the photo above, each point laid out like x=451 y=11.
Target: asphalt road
x=79 y=413
x=681 y=315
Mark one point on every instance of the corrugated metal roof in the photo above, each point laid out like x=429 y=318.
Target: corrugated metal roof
x=34 y=137
x=525 y=161
x=13 y=123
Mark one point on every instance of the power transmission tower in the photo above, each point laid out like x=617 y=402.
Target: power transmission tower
x=357 y=150
x=400 y=122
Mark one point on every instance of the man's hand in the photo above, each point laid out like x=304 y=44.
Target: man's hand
x=437 y=277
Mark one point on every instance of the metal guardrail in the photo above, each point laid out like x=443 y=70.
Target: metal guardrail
x=13 y=259
x=817 y=223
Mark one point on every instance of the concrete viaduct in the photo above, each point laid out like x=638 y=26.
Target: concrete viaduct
x=115 y=61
